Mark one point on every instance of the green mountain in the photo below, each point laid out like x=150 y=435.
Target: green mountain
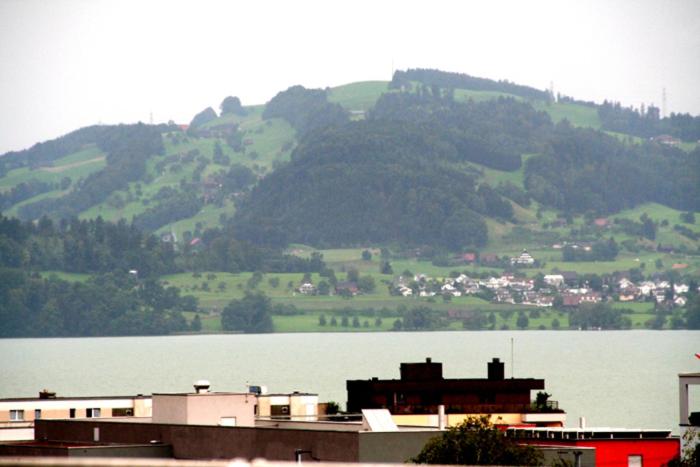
x=435 y=158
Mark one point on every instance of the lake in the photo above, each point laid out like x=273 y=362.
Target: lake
x=613 y=378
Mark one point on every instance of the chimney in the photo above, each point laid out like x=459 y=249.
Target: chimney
x=201 y=386
x=496 y=369
x=46 y=394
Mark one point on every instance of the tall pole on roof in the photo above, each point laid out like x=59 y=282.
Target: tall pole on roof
x=512 y=360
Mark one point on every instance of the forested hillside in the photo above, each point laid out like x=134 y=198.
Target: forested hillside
x=356 y=189
x=475 y=132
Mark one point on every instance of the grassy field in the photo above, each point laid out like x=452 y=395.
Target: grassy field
x=576 y=114
x=358 y=96
x=367 y=308
x=75 y=166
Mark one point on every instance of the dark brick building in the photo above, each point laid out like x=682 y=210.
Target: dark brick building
x=422 y=389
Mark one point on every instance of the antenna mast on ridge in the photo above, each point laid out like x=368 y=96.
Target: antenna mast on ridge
x=663 y=103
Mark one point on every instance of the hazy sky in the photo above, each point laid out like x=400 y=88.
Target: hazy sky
x=65 y=64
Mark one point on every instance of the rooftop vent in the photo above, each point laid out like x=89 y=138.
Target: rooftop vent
x=201 y=386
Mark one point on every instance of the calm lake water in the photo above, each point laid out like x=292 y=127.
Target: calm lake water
x=613 y=378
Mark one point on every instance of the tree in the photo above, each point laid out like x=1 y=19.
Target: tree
x=386 y=268
x=522 y=321
x=323 y=288
x=196 y=324
x=692 y=312
x=476 y=442
x=232 y=105
x=366 y=284
x=353 y=275
x=251 y=314
x=322 y=320
x=366 y=255
x=205 y=116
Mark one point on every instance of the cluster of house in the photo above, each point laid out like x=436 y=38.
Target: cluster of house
x=660 y=291
x=387 y=421
x=511 y=289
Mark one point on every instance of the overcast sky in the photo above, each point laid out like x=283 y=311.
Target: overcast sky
x=65 y=64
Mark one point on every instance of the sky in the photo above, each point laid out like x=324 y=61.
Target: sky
x=66 y=64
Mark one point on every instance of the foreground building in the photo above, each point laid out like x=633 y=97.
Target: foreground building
x=18 y=415
x=613 y=446
x=423 y=397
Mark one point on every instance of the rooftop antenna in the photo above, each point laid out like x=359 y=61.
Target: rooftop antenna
x=512 y=360
x=151 y=117
x=663 y=102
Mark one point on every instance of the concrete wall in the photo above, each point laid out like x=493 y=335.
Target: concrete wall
x=210 y=442
x=394 y=447
x=204 y=409
x=139 y=451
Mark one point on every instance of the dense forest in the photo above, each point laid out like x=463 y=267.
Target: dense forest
x=123 y=296
x=371 y=181
x=587 y=170
x=493 y=133
x=305 y=109
x=97 y=247
x=396 y=177
x=647 y=122
x=109 y=304
x=448 y=80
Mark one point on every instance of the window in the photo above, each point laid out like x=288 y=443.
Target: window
x=92 y=413
x=634 y=461
x=279 y=411
x=16 y=415
x=37 y=414
x=72 y=413
x=128 y=412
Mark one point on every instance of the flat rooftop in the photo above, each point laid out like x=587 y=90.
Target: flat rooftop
x=72 y=398
x=588 y=433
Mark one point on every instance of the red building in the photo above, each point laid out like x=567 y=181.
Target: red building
x=614 y=447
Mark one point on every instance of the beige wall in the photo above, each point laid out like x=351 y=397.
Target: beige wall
x=204 y=409
x=60 y=408
x=454 y=419
x=301 y=406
